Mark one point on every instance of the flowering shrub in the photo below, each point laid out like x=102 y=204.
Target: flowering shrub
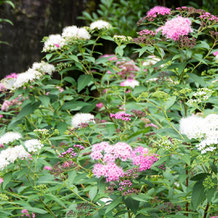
x=86 y=134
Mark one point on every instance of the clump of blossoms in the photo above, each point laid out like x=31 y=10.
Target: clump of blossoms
x=75 y=33
x=8 y=103
x=176 y=27
x=121 y=116
x=200 y=96
x=100 y=24
x=11 y=154
x=209 y=17
x=154 y=12
x=70 y=152
x=53 y=43
x=119 y=39
x=37 y=71
x=130 y=83
x=151 y=60
x=203 y=129
x=9 y=137
x=82 y=118
x=33 y=145
x=108 y=154
x=110 y=57
x=216 y=55
x=127 y=69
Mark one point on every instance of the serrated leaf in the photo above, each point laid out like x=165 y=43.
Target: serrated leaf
x=132 y=204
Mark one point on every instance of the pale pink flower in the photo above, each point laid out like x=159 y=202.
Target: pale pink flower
x=12 y=75
x=47 y=168
x=215 y=53
x=2 y=87
x=100 y=105
x=130 y=83
x=1 y=180
x=1 y=116
x=121 y=116
x=176 y=27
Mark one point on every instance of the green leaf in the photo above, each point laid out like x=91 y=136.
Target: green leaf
x=198 y=194
x=62 y=127
x=93 y=192
x=197 y=79
x=70 y=80
x=83 y=81
x=120 y=50
x=200 y=176
x=181 y=67
x=45 y=100
x=132 y=204
x=27 y=109
x=113 y=205
x=210 y=193
x=48 y=56
x=35 y=210
x=170 y=102
x=7 y=179
x=73 y=106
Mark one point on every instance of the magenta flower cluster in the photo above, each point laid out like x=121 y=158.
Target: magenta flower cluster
x=176 y=27
x=127 y=69
x=11 y=76
x=121 y=116
x=108 y=154
x=68 y=153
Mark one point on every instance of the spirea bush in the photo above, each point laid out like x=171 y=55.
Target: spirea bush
x=87 y=134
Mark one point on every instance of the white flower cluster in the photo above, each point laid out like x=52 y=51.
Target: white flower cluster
x=73 y=32
x=33 y=145
x=36 y=72
x=100 y=24
x=205 y=129
x=53 y=42
x=9 y=137
x=151 y=60
x=82 y=118
x=200 y=96
x=11 y=154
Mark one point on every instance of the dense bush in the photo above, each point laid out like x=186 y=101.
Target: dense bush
x=109 y=136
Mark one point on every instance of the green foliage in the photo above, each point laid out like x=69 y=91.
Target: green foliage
x=139 y=102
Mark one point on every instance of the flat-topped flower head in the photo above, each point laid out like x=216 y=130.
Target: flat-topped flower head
x=82 y=118
x=10 y=137
x=33 y=145
x=43 y=67
x=53 y=43
x=100 y=24
x=158 y=10
x=176 y=27
x=75 y=33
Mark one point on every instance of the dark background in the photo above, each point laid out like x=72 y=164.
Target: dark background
x=34 y=19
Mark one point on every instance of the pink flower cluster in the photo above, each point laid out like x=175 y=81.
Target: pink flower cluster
x=108 y=154
x=209 y=16
x=26 y=213
x=99 y=105
x=121 y=116
x=2 y=87
x=176 y=27
x=141 y=158
x=68 y=153
x=11 y=76
x=127 y=69
x=215 y=53
x=158 y=10
x=146 y=32
x=1 y=180
x=79 y=146
x=110 y=171
x=111 y=57
x=6 y=104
